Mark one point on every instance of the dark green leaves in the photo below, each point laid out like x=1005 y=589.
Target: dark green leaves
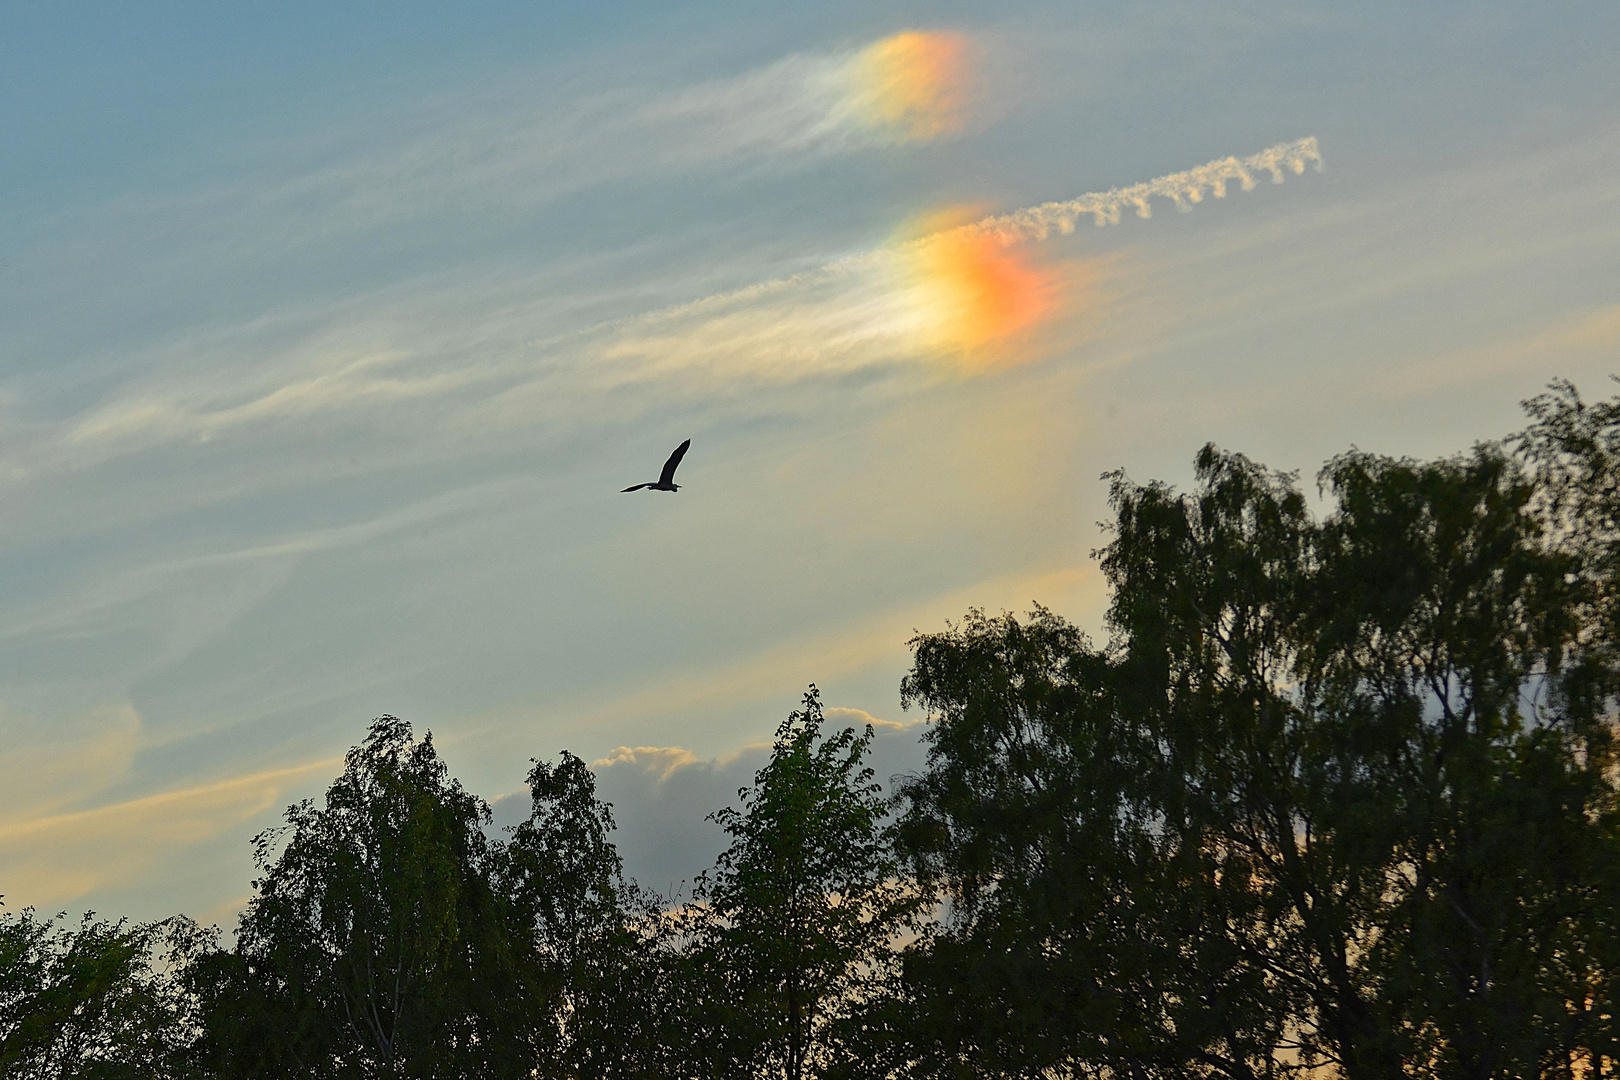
x=796 y=919
x=376 y=934
x=92 y=1000
x=1340 y=791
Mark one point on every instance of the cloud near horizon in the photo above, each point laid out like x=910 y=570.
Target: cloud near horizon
x=662 y=795
x=53 y=859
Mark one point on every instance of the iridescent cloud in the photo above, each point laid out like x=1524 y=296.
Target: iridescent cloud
x=975 y=290
x=975 y=295
x=967 y=294
x=913 y=85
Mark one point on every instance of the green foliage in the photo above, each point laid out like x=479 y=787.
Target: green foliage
x=596 y=955
x=390 y=936
x=377 y=943
x=1341 y=793
x=91 y=1001
x=1338 y=792
x=564 y=875
x=797 y=916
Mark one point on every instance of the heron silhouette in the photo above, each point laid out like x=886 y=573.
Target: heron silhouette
x=666 y=479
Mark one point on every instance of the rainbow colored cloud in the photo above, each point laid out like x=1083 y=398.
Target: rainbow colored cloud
x=912 y=86
x=966 y=294
x=960 y=294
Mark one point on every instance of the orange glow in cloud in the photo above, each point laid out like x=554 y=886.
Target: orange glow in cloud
x=969 y=294
x=913 y=84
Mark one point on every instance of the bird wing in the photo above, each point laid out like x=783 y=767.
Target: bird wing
x=638 y=487
x=668 y=475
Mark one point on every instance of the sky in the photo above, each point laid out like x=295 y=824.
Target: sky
x=329 y=334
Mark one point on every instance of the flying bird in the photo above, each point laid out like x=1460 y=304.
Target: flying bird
x=666 y=479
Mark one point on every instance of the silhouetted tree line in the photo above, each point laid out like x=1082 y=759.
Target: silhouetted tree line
x=1340 y=793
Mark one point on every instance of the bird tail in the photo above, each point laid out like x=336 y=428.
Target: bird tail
x=638 y=487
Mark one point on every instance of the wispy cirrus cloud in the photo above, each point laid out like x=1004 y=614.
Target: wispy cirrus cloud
x=528 y=145
x=54 y=859
x=970 y=294
x=344 y=382
x=50 y=765
x=965 y=292
x=876 y=640
x=61 y=837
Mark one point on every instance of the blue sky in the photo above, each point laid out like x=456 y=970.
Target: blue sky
x=330 y=335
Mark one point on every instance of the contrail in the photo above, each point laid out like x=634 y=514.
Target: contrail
x=1032 y=223
x=1182 y=188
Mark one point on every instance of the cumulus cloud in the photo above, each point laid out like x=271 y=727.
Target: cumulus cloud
x=662 y=796
x=655 y=761
x=839 y=716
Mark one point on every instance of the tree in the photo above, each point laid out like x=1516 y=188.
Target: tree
x=804 y=903
x=94 y=1000
x=1338 y=792
x=594 y=942
x=1073 y=904
x=377 y=943
x=1447 y=620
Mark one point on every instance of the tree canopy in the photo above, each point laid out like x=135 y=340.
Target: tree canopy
x=1338 y=791
x=798 y=914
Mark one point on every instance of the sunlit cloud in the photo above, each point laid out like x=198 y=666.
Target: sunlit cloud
x=965 y=298
x=967 y=293
x=913 y=85
x=49 y=765
x=963 y=293
x=662 y=796
x=840 y=716
x=656 y=761
x=52 y=859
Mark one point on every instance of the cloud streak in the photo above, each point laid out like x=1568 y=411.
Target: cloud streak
x=51 y=765
x=967 y=295
x=1184 y=189
x=949 y=292
x=911 y=87
x=875 y=641
x=53 y=859
x=1038 y=223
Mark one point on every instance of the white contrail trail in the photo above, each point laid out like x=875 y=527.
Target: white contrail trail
x=1182 y=188
x=1031 y=223
x=1040 y=222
